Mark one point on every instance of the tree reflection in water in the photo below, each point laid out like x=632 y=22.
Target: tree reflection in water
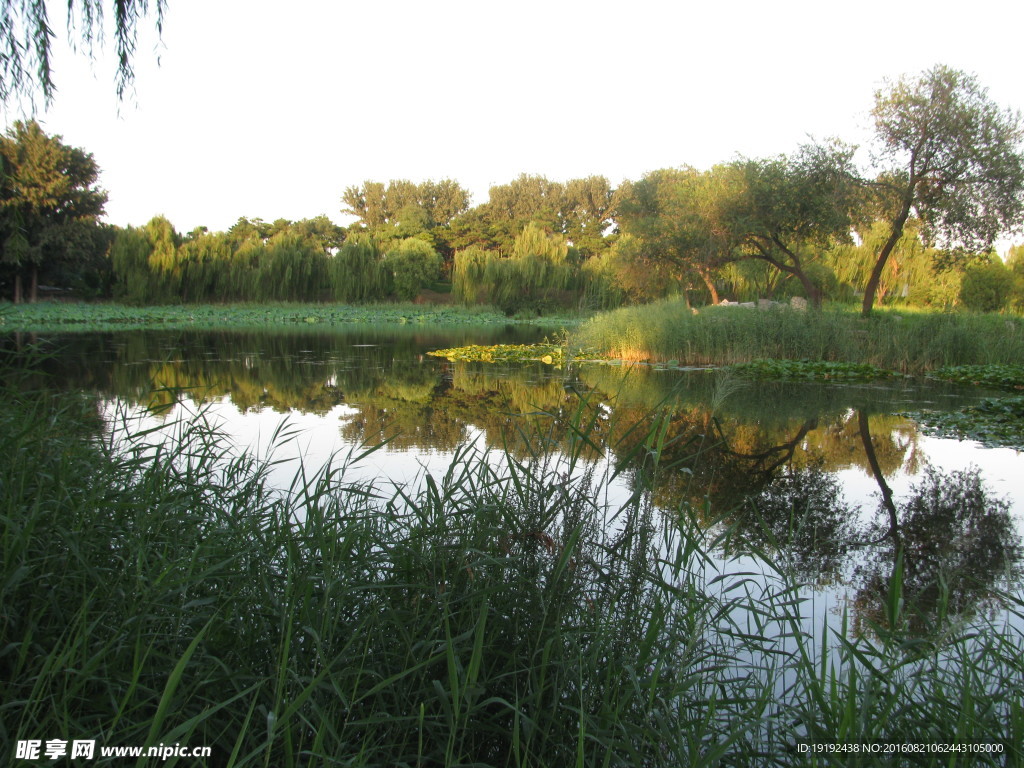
x=803 y=512
x=941 y=552
x=767 y=457
x=953 y=543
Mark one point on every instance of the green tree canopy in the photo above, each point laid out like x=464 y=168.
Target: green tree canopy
x=987 y=287
x=668 y=210
x=413 y=264
x=580 y=210
x=951 y=158
x=429 y=203
x=788 y=210
x=47 y=189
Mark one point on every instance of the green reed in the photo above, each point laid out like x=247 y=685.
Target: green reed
x=909 y=342
x=157 y=589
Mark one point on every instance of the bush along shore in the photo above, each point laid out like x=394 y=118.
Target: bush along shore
x=158 y=590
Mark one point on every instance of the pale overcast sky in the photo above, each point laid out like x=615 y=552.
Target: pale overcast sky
x=266 y=109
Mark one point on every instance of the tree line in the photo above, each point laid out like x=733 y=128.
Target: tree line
x=917 y=226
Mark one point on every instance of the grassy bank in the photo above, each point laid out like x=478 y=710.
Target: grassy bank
x=161 y=592
x=51 y=316
x=908 y=342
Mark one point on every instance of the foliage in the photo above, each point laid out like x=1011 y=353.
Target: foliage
x=987 y=287
x=468 y=275
x=290 y=269
x=785 y=211
x=48 y=194
x=252 y=261
x=665 y=210
x=156 y=590
x=129 y=255
x=598 y=282
x=951 y=158
x=629 y=271
x=413 y=264
x=915 y=273
x=403 y=209
x=25 y=37
x=534 y=274
x=357 y=272
x=587 y=208
x=580 y=210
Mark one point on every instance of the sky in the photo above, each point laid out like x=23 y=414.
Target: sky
x=268 y=109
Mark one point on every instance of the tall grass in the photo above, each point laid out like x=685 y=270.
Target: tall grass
x=904 y=341
x=507 y=613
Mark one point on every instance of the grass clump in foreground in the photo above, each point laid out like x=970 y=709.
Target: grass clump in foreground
x=907 y=342
x=159 y=591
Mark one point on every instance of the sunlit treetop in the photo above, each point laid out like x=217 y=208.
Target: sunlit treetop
x=26 y=38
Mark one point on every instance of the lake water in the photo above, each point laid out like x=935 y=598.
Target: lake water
x=799 y=470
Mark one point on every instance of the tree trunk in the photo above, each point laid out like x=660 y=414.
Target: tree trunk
x=33 y=294
x=813 y=291
x=706 y=277
x=883 y=256
x=876 y=472
x=17 y=288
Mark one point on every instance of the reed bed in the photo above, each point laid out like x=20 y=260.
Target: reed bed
x=908 y=342
x=507 y=613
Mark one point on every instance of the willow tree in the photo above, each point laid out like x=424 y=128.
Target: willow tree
x=26 y=36
x=129 y=255
x=536 y=271
x=357 y=272
x=951 y=158
x=413 y=264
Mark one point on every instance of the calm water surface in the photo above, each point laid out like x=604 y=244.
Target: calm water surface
x=828 y=478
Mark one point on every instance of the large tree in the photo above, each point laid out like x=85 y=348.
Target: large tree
x=668 y=211
x=26 y=36
x=787 y=210
x=950 y=157
x=381 y=208
x=47 y=190
x=588 y=206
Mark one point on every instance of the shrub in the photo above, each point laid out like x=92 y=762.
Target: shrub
x=413 y=265
x=987 y=287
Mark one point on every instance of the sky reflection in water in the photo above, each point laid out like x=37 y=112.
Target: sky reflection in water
x=754 y=452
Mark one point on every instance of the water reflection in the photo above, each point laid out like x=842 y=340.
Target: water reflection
x=772 y=456
x=953 y=543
